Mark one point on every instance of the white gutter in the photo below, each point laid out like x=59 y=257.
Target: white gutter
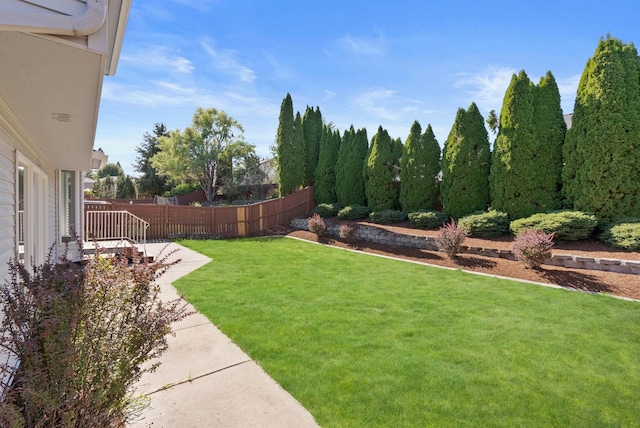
x=89 y=22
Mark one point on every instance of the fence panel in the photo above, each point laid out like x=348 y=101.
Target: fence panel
x=224 y=221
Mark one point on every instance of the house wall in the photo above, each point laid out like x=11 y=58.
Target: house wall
x=7 y=204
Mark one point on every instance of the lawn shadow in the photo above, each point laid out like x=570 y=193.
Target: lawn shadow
x=577 y=280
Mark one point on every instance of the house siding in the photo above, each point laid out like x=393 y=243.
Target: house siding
x=7 y=205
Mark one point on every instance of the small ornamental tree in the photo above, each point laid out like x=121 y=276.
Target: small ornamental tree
x=601 y=161
x=466 y=161
x=379 y=173
x=419 y=168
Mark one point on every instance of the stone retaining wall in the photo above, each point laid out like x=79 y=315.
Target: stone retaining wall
x=386 y=237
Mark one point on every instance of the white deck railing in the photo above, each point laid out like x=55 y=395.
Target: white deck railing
x=114 y=226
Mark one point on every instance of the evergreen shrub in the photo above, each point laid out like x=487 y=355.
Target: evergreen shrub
x=567 y=225
x=353 y=212
x=427 y=219
x=623 y=234
x=485 y=225
x=327 y=210
x=387 y=216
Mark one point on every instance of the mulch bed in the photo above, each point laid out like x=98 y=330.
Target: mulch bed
x=619 y=284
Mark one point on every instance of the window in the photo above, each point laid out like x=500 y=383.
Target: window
x=68 y=202
x=32 y=211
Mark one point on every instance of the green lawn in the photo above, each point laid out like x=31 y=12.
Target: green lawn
x=363 y=341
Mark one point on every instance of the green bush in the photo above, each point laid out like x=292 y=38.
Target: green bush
x=327 y=210
x=387 y=216
x=567 y=225
x=624 y=234
x=427 y=219
x=485 y=225
x=353 y=212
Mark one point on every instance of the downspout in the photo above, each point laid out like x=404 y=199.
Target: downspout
x=89 y=22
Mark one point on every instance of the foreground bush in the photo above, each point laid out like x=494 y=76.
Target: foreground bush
x=317 y=225
x=567 y=225
x=427 y=219
x=327 y=210
x=82 y=335
x=532 y=247
x=353 y=212
x=387 y=217
x=449 y=239
x=485 y=225
x=623 y=234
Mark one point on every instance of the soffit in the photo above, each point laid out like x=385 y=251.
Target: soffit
x=53 y=90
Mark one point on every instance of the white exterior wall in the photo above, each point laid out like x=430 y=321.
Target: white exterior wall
x=7 y=205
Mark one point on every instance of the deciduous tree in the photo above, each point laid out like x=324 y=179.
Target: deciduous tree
x=196 y=153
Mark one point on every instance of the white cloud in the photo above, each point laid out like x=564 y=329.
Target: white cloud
x=364 y=45
x=160 y=59
x=328 y=94
x=384 y=104
x=225 y=61
x=568 y=88
x=488 y=87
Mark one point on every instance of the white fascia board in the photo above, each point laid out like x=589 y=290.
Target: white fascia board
x=86 y=23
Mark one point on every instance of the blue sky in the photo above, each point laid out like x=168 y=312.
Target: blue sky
x=366 y=63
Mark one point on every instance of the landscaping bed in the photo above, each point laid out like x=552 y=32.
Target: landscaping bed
x=619 y=284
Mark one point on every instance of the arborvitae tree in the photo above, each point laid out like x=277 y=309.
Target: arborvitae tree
x=601 y=170
x=342 y=166
x=290 y=164
x=380 y=174
x=419 y=168
x=313 y=124
x=300 y=147
x=349 y=166
x=550 y=132
x=527 y=162
x=466 y=159
x=325 y=187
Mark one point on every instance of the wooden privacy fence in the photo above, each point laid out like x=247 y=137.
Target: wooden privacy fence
x=166 y=221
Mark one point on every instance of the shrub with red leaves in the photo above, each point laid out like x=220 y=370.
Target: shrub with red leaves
x=317 y=225
x=532 y=247
x=449 y=239
x=348 y=233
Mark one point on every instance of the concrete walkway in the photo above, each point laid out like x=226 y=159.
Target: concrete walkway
x=204 y=379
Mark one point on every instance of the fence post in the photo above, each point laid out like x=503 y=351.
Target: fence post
x=165 y=226
x=212 y=220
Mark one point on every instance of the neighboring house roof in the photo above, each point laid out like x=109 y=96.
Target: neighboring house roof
x=55 y=55
x=568 y=119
